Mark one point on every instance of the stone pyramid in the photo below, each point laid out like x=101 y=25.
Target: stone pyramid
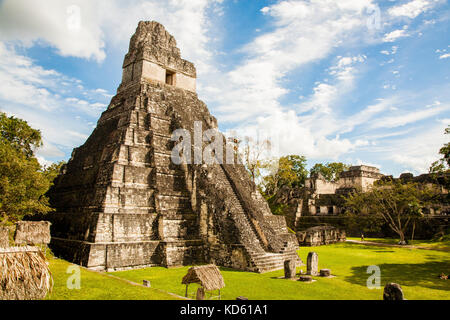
x=121 y=202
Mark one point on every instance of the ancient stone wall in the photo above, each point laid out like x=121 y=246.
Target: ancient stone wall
x=153 y=55
x=4 y=237
x=32 y=232
x=320 y=235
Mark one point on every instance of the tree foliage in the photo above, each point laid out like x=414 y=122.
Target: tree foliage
x=329 y=171
x=443 y=164
x=289 y=171
x=19 y=135
x=52 y=171
x=397 y=203
x=23 y=184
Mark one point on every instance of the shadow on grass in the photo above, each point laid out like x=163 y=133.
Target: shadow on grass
x=420 y=274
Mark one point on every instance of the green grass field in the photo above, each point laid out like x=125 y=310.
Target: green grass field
x=97 y=286
x=414 y=269
x=441 y=245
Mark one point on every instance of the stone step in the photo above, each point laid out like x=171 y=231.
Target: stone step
x=269 y=267
x=270 y=264
x=160 y=117
x=268 y=259
x=173 y=171
x=176 y=212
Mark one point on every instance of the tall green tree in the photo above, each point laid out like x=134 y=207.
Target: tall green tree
x=397 y=203
x=19 y=135
x=443 y=164
x=52 y=171
x=22 y=183
x=289 y=171
x=329 y=171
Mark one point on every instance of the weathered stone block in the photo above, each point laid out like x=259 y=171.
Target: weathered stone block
x=4 y=237
x=146 y=283
x=325 y=272
x=393 y=291
x=321 y=235
x=312 y=264
x=290 y=269
x=32 y=232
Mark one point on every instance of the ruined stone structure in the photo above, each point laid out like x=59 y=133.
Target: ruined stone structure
x=321 y=203
x=323 y=197
x=441 y=207
x=122 y=203
x=32 y=232
x=4 y=237
x=320 y=235
x=320 y=197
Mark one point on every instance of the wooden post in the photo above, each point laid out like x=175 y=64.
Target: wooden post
x=187 y=290
x=200 y=294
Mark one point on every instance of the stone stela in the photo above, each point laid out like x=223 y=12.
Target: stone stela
x=122 y=203
x=312 y=264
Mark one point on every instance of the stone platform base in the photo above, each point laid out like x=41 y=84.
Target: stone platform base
x=117 y=256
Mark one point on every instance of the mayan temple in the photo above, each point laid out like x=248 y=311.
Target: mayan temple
x=121 y=202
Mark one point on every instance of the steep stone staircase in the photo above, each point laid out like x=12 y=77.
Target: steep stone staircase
x=261 y=260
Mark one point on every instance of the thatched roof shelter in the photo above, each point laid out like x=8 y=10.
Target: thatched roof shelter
x=209 y=277
x=24 y=274
x=32 y=232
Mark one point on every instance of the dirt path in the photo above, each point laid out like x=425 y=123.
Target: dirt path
x=379 y=244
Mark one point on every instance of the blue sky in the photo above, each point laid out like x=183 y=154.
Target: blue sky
x=357 y=81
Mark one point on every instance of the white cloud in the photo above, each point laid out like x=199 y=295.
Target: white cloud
x=48 y=100
x=367 y=114
x=403 y=117
x=394 y=35
x=445 y=56
x=360 y=162
x=305 y=31
x=315 y=135
x=344 y=70
x=412 y=9
x=418 y=150
x=248 y=96
x=52 y=22
x=44 y=162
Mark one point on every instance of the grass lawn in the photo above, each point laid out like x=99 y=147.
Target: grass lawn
x=441 y=245
x=97 y=286
x=414 y=269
